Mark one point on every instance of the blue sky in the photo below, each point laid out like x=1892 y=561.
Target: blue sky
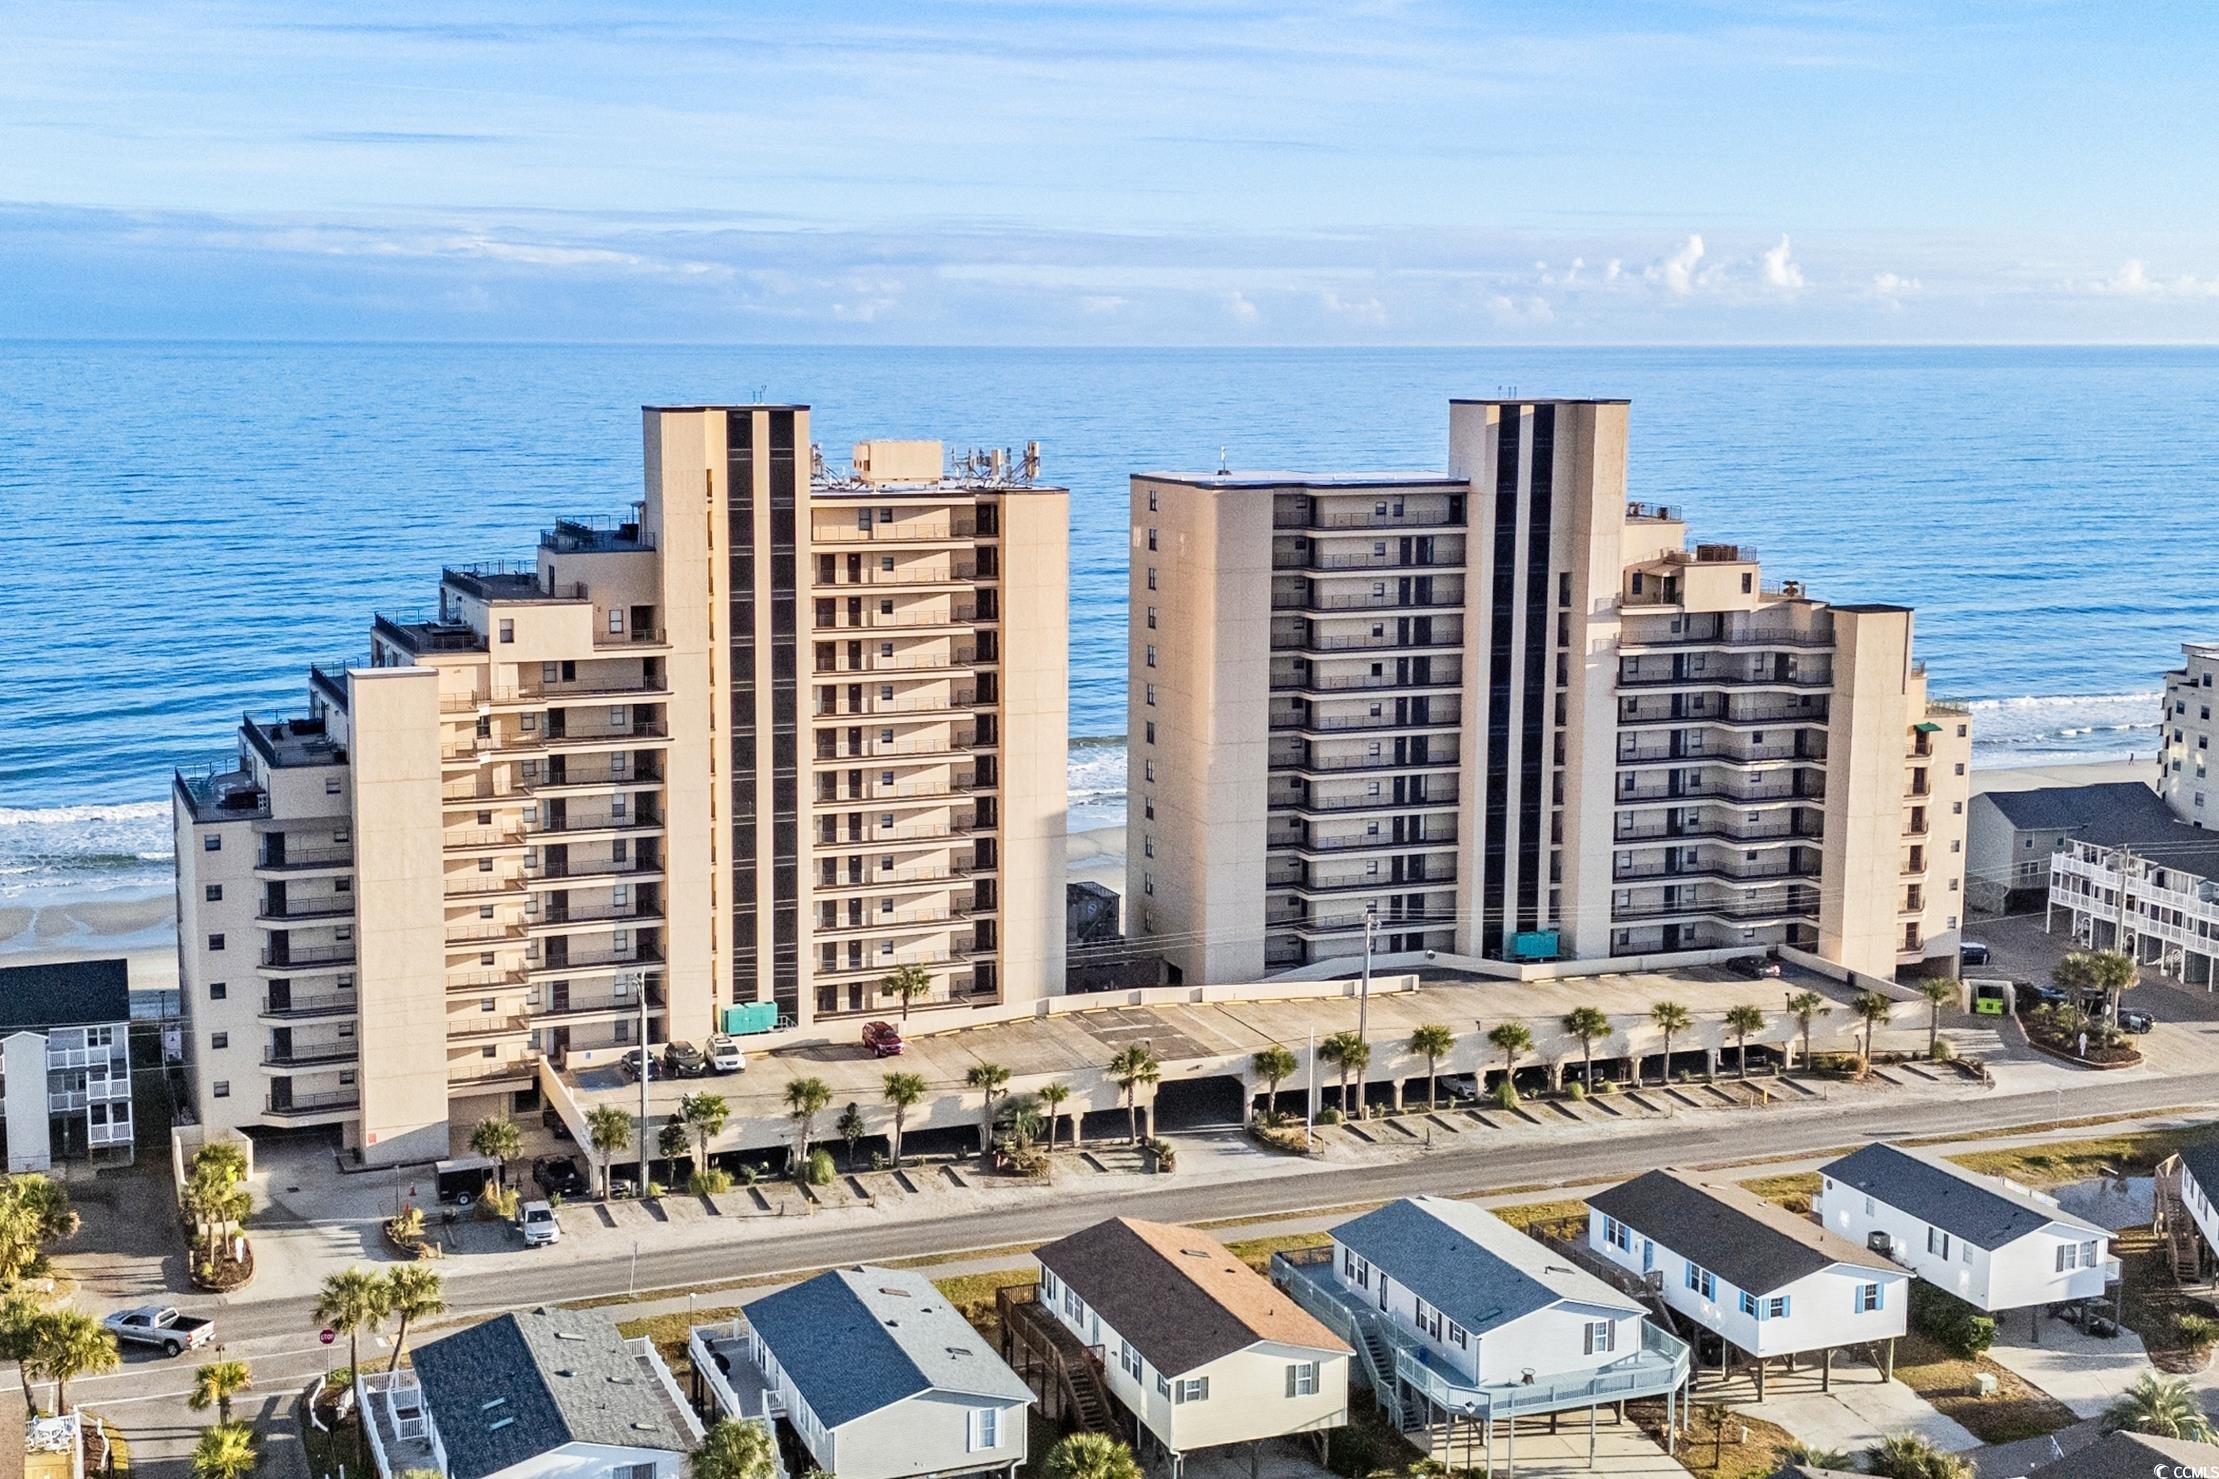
x=1164 y=172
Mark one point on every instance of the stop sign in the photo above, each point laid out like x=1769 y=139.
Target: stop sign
x=327 y=1336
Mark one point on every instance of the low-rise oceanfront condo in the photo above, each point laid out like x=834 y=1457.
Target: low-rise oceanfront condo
x=741 y=754
x=1505 y=713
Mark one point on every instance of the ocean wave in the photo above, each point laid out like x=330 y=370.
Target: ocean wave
x=84 y=848
x=2075 y=725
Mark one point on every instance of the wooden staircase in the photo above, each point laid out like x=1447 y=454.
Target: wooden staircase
x=2171 y=1222
x=1054 y=1362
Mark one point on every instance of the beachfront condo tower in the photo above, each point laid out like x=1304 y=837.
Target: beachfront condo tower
x=728 y=762
x=1501 y=712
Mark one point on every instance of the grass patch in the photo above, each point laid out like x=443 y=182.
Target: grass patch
x=2057 y=1162
x=669 y=1332
x=1528 y=1215
x=2016 y=1411
x=1792 y=1192
x=1256 y=1252
x=972 y=1295
x=1718 y=1440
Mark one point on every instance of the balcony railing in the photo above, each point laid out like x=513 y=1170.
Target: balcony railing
x=326 y=1004
x=908 y=575
x=310 y=958
x=1362 y=601
x=1356 y=682
x=309 y=1055
x=911 y=530
x=1359 y=762
x=1427 y=802
x=873 y=621
x=306 y=1104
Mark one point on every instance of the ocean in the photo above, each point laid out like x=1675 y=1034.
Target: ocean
x=189 y=525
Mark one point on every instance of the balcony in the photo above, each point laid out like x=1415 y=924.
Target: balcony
x=1725 y=789
x=1360 y=561
x=642 y=731
x=923 y=877
x=1753 y=640
x=874 y=969
x=308 y=960
x=871 y=621
x=937 y=662
x=944 y=790
x=1345 y=601
x=1396 y=1360
x=328 y=858
x=1739 y=755
x=637 y=912
x=900 y=921
x=1360 y=842
x=293 y=911
x=908 y=531
x=959 y=573
x=954 y=701
x=1724 y=680
x=577 y=874
x=303 y=1106
x=309 y=1055
x=1753 y=910
x=876 y=836
x=479 y=839
x=1383 y=802
x=1357 y=682
x=1736 y=874
x=1297 y=642
x=565 y=783
x=1813 y=718
x=570 y=826
x=1743 y=832
x=1337 y=764
x=600 y=966
x=1303 y=881
x=914 y=748
x=486 y=1029
x=298 y=1007
x=1341 y=521
x=1357 y=723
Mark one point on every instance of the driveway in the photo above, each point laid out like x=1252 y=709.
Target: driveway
x=1861 y=1409
x=2084 y=1372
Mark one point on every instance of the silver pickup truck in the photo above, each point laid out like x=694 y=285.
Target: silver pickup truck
x=159 y=1325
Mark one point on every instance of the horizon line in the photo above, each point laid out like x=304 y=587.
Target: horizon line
x=1551 y=346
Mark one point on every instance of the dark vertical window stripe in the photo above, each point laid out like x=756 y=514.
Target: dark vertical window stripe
x=785 y=716
x=739 y=435
x=1494 y=901
x=1533 y=756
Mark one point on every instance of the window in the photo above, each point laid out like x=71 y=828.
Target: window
x=1128 y=1359
x=1150 y=731
x=1602 y=1337
x=1615 y=1234
x=1048 y=1285
x=218 y=990
x=1749 y=1304
x=1937 y=1242
x=1868 y=1298
x=1151 y=538
x=1073 y=1306
x=1151 y=577
x=222 y=1088
x=214 y=893
x=331 y=785
x=219 y=1040
x=1302 y=1378
x=1151 y=618
x=1701 y=1281
x=1151 y=654
x=1193 y=1389
x=1151 y=500
x=986 y=1430
x=1459 y=1336
x=1163 y=1385
x=1776 y=1308
x=616 y=620
x=508 y=631
x=215 y=942
x=1151 y=695
x=211 y=843
x=632 y=1471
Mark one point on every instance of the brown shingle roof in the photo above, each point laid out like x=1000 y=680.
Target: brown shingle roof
x=1178 y=1295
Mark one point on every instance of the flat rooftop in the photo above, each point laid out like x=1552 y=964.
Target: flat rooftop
x=290 y=742
x=1326 y=481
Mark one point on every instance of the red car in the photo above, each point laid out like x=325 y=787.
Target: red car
x=881 y=1039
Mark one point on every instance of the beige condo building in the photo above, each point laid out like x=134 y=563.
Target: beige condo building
x=755 y=746
x=1501 y=711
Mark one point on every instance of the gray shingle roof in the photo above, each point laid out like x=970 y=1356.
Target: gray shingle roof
x=2202 y=1161
x=2131 y=1456
x=513 y=1388
x=1979 y=1209
x=1469 y=1264
x=854 y=1340
x=69 y=993
x=1749 y=1242
x=2114 y=814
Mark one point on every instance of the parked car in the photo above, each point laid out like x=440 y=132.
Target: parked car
x=560 y=1176
x=1971 y=952
x=2032 y=994
x=2131 y=1020
x=725 y=1055
x=684 y=1060
x=637 y=1062
x=536 y=1221
x=882 y=1039
x=160 y=1325
x=1753 y=967
x=553 y=1122
x=623 y=1185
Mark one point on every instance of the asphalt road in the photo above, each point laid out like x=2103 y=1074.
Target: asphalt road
x=1455 y=1167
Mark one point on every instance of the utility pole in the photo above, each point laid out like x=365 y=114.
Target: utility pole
x=1310 y=1100
x=1363 y=990
x=647 y=1071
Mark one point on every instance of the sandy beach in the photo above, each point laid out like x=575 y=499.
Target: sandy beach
x=142 y=926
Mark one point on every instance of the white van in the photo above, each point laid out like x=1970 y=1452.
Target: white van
x=536 y=1221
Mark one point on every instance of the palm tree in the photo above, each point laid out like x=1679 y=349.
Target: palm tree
x=704 y=1114
x=1431 y=1041
x=610 y=1130
x=498 y=1140
x=413 y=1291
x=69 y=1344
x=1909 y=1456
x=2107 y=971
x=991 y=1080
x=1936 y=990
x=1350 y=1054
x=1131 y=1068
x=1052 y=1097
x=1874 y=1009
x=1742 y=1020
x=734 y=1449
x=1274 y=1065
x=352 y=1301
x=215 y=1384
x=1807 y=1007
x=905 y=1091
x=1091 y=1456
x=19 y=1328
x=2164 y=1407
x=850 y=1128
x=805 y=1098
x=1512 y=1038
x=225 y=1451
x=908 y=981
x=1589 y=1026
x=1670 y=1017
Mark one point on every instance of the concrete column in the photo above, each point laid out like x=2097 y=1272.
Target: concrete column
x=1710 y=1062
x=1395 y=1084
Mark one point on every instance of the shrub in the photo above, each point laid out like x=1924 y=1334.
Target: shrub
x=1944 y=1051
x=496 y=1203
x=706 y=1183
x=2197 y=1332
x=656 y=1188
x=820 y=1170
x=1575 y=1090
x=1329 y=1116
x=1949 y=1321
x=1506 y=1095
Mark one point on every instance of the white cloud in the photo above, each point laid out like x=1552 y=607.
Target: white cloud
x=1894 y=285
x=2133 y=280
x=1531 y=310
x=1364 y=311
x=1678 y=272
x=1781 y=271
x=1614 y=271
x=1102 y=303
x=1237 y=304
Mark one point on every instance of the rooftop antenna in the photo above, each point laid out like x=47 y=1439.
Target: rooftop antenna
x=1222 y=469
